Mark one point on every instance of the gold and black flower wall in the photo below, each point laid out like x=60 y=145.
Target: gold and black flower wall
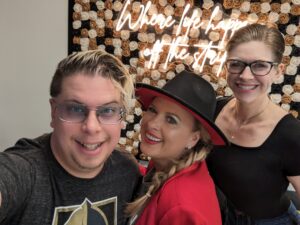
x=159 y=38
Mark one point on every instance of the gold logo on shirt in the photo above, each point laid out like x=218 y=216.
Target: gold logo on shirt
x=88 y=213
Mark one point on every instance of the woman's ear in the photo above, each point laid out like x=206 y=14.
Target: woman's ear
x=280 y=70
x=123 y=124
x=195 y=137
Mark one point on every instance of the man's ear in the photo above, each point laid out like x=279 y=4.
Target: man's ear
x=53 y=108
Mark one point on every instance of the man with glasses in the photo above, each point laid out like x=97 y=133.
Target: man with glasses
x=74 y=175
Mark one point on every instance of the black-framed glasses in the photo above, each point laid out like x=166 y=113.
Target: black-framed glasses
x=76 y=113
x=258 y=67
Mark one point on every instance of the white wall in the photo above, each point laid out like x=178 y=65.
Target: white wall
x=33 y=39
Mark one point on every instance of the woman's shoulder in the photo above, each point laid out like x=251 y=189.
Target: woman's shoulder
x=192 y=183
x=188 y=194
x=289 y=119
x=289 y=127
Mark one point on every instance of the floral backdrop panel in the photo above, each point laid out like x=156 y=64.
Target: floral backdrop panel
x=157 y=39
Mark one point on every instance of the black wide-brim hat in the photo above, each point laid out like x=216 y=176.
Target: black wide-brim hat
x=192 y=93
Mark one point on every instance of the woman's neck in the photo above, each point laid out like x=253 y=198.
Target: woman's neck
x=161 y=164
x=246 y=113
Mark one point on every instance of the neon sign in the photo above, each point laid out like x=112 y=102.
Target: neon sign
x=178 y=46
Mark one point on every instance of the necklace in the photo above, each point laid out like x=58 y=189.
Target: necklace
x=247 y=121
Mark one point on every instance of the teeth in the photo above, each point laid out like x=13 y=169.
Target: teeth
x=248 y=87
x=90 y=146
x=152 y=138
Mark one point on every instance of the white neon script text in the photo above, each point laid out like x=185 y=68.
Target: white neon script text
x=178 y=45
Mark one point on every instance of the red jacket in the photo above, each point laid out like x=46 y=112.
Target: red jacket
x=187 y=198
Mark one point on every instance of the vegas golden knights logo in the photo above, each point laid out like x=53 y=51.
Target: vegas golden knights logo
x=88 y=213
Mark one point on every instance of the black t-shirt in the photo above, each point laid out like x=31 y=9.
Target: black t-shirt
x=254 y=178
x=36 y=190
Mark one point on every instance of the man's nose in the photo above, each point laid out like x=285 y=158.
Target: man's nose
x=91 y=124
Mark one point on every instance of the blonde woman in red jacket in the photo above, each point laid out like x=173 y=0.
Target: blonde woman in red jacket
x=177 y=132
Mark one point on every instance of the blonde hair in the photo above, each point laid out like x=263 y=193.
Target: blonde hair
x=267 y=34
x=196 y=154
x=92 y=63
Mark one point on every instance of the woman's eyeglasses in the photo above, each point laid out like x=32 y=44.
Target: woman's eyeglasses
x=258 y=68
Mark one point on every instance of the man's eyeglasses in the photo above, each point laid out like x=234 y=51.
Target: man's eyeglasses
x=258 y=68
x=76 y=113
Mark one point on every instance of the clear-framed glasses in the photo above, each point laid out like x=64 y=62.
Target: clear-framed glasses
x=73 y=112
x=258 y=68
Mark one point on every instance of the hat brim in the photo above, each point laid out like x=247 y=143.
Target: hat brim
x=146 y=93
